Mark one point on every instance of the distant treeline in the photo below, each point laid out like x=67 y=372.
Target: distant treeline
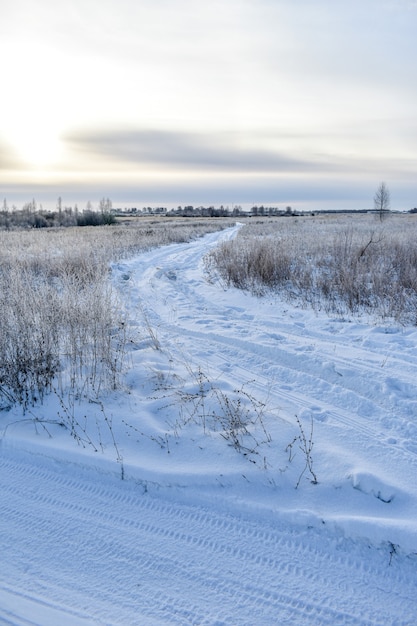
x=32 y=216
x=203 y=211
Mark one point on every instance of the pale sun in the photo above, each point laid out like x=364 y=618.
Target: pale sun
x=36 y=147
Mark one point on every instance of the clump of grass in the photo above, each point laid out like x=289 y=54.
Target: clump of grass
x=255 y=265
x=29 y=337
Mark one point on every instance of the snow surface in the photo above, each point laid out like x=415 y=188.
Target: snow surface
x=198 y=532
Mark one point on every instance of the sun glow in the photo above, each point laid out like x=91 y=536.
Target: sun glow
x=36 y=147
x=31 y=112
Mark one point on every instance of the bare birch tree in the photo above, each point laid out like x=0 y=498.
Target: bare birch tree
x=382 y=201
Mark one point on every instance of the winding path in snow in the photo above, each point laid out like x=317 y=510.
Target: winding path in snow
x=362 y=378
x=80 y=546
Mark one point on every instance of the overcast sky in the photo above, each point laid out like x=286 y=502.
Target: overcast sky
x=310 y=103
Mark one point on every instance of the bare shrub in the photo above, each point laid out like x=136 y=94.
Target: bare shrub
x=305 y=444
x=235 y=414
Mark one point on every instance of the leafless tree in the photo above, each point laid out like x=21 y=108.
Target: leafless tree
x=382 y=201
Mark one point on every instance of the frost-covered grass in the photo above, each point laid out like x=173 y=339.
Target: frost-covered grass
x=346 y=264
x=62 y=325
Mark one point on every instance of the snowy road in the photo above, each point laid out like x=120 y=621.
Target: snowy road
x=198 y=534
x=91 y=551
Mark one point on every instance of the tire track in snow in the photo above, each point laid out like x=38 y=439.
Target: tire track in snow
x=171 y=562
x=308 y=365
x=250 y=364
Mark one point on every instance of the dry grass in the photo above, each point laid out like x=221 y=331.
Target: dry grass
x=342 y=264
x=61 y=323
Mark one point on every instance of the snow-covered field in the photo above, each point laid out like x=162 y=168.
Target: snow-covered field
x=198 y=531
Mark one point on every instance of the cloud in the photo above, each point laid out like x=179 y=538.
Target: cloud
x=350 y=151
x=190 y=151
